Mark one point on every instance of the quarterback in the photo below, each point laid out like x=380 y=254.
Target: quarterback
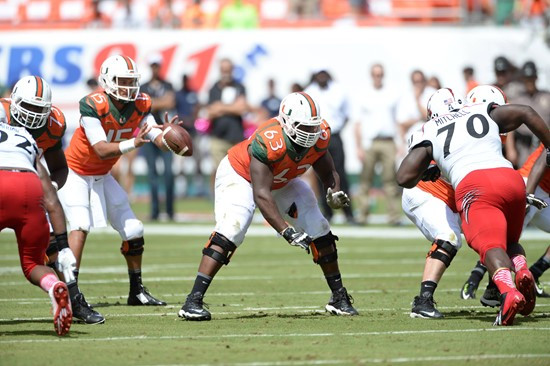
x=264 y=171
x=489 y=194
x=91 y=196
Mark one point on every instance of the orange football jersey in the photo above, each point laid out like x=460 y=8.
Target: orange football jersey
x=440 y=189
x=528 y=165
x=271 y=146
x=49 y=136
x=118 y=126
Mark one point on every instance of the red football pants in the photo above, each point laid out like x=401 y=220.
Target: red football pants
x=491 y=203
x=22 y=209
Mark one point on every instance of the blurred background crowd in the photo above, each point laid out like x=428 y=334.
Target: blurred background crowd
x=370 y=127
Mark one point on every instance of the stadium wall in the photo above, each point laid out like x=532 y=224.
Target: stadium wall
x=68 y=58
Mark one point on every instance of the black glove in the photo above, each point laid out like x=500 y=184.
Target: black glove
x=297 y=238
x=547 y=156
x=535 y=201
x=431 y=174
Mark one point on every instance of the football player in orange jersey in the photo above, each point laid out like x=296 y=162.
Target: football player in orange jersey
x=262 y=171
x=91 y=196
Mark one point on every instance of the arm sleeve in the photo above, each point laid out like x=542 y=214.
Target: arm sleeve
x=150 y=120
x=93 y=130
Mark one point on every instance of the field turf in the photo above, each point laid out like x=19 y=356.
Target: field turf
x=267 y=308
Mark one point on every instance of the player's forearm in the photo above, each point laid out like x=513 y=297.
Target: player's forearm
x=108 y=150
x=268 y=208
x=536 y=173
x=537 y=125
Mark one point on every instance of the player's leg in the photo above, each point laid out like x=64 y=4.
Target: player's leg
x=297 y=203
x=482 y=197
x=32 y=232
x=469 y=288
x=441 y=226
x=234 y=208
x=130 y=229
x=74 y=197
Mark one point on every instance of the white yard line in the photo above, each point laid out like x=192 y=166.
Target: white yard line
x=273 y=335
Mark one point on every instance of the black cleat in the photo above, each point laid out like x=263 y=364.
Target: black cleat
x=424 y=307
x=84 y=311
x=469 y=290
x=491 y=297
x=194 y=308
x=540 y=290
x=143 y=298
x=340 y=303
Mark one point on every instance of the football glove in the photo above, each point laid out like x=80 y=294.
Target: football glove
x=297 y=238
x=336 y=200
x=66 y=264
x=535 y=201
x=548 y=157
x=431 y=174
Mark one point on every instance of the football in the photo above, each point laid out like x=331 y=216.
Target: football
x=177 y=140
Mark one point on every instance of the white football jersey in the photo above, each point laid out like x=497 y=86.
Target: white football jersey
x=18 y=149
x=463 y=141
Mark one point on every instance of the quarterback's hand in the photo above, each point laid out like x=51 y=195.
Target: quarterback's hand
x=66 y=264
x=535 y=201
x=297 y=238
x=431 y=174
x=173 y=120
x=337 y=200
x=140 y=139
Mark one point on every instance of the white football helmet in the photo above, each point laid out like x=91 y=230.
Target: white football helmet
x=486 y=94
x=300 y=117
x=31 y=102
x=119 y=78
x=442 y=102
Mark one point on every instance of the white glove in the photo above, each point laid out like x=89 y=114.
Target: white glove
x=337 y=200
x=535 y=201
x=297 y=238
x=66 y=264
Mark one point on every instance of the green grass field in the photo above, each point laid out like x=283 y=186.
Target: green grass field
x=267 y=308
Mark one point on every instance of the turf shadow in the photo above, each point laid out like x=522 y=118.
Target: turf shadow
x=46 y=333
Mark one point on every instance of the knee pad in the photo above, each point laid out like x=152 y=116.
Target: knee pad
x=442 y=250
x=324 y=249
x=133 y=229
x=225 y=244
x=132 y=247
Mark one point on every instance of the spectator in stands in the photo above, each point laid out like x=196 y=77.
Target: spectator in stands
x=521 y=142
x=304 y=9
x=333 y=102
x=270 y=105
x=469 y=78
x=375 y=131
x=226 y=107
x=504 y=12
x=163 y=101
x=239 y=15
x=296 y=87
x=130 y=14
x=95 y=17
x=358 y=7
x=163 y=15
x=187 y=108
x=412 y=110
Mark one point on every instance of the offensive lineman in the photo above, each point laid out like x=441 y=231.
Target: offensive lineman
x=91 y=195
x=489 y=193
x=262 y=171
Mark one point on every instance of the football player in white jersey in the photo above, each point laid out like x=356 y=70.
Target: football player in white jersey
x=26 y=190
x=489 y=193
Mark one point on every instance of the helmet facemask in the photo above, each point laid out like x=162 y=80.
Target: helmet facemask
x=303 y=133
x=32 y=114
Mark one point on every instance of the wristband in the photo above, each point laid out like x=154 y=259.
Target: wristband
x=62 y=241
x=126 y=146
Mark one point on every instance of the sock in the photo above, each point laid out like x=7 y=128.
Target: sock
x=135 y=280
x=477 y=273
x=539 y=267
x=334 y=281
x=503 y=280
x=519 y=263
x=427 y=288
x=73 y=290
x=75 y=272
x=202 y=282
x=47 y=281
